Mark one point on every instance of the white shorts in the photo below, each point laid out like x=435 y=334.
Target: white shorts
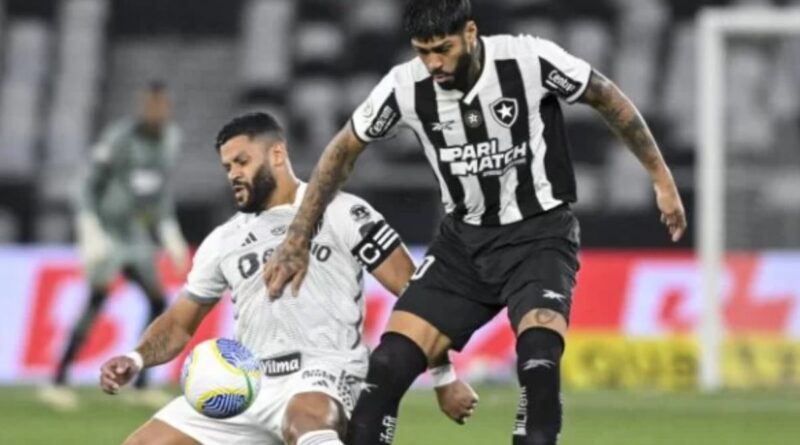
x=261 y=423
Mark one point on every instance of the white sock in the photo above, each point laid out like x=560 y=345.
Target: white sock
x=320 y=437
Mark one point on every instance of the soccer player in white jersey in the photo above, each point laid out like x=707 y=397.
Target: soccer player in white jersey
x=486 y=111
x=310 y=342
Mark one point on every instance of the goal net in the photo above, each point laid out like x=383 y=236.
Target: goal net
x=748 y=182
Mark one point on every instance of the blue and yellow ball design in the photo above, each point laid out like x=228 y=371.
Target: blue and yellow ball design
x=221 y=378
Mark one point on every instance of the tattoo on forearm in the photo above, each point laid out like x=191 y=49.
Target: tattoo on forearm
x=331 y=172
x=623 y=117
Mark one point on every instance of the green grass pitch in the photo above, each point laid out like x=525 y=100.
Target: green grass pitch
x=591 y=418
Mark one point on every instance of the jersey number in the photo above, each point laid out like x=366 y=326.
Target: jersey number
x=249 y=264
x=426 y=264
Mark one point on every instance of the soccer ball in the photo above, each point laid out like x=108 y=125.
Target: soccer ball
x=221 y=378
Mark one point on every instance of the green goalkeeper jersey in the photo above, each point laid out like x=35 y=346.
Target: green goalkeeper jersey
x=127 y=185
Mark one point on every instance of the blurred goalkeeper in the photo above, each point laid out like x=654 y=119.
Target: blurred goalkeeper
x=125 y=203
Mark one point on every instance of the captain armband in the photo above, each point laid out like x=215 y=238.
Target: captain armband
x=378 y=242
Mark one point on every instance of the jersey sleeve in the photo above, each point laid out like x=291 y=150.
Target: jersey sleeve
x=363 y=231
x=560 y=72
x=378 y=117
x=206 y=283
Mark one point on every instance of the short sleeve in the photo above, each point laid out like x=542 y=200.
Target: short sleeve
x=206 y=283
x=363 y=230
x=379 y=115
x=560 y=72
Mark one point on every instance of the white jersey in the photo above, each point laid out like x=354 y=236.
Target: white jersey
x=499 y=151
x=324 y=322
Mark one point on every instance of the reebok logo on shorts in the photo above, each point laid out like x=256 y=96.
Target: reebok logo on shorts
x=553 y=295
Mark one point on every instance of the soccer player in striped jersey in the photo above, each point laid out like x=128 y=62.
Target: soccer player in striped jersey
x=311 y=342
x=486 y=110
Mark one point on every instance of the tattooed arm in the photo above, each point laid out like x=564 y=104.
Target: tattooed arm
x=627 y=123
x=168 y=334
x=332 y=170
x=163 y=340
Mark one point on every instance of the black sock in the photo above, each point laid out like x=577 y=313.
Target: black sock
x=157 y=307
x=393 y=367
x=78 y=334
x=538 y=368
x=518 y=436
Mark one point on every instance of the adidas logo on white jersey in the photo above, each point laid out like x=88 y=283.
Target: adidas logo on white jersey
x=249 y=240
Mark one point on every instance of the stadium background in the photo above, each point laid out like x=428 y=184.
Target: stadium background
x=69 y=67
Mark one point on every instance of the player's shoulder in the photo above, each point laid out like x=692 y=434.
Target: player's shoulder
x=347 y=205
x=232 y=226
x=507 y=46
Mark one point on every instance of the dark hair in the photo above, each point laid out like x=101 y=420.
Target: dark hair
x=251 y=125
x=426 y=19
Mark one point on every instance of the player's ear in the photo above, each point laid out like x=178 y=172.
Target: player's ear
x=276 y=153
x=471 y=33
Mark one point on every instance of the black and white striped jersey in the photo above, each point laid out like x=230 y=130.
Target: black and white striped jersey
x=500 y=151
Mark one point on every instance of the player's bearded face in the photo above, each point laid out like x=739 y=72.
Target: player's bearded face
x=252 y=196
x=450 y=70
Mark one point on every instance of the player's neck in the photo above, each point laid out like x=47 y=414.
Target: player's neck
x=285 y=193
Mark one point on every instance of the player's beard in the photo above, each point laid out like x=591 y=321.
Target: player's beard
x=460 y=75
x=258 y=191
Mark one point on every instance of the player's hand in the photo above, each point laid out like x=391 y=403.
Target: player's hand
x=288 y=264
x=457 y=400
x=175 y=245
x=179 y=256
x=672 y=213
x=94 y=245
x=117 y=372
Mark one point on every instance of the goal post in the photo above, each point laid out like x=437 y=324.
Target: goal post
x=714 y=26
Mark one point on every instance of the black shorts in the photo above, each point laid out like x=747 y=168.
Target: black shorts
x=471 y=273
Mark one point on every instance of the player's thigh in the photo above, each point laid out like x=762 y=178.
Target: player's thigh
x=102 y=273
x=312 y=411
x=156 y=432
x=249 y=428
x=443 y=305
x=539 y=292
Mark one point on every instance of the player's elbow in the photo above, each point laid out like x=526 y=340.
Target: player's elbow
x=601 y=93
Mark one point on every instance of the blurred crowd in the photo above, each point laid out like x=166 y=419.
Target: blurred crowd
x=68 y=68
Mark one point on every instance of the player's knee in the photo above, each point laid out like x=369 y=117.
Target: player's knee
x=396 y=360
x=307 y=412
x=432 y=341
x=543 y=318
